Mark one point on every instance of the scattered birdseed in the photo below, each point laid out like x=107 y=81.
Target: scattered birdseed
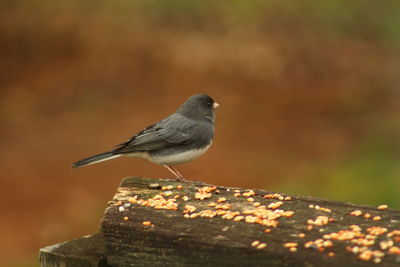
x=179 y=186
x=154 y=186
x=317 y=207
x=331 y=254
x=394 y=232
x=275 y=205
x=261 y=246
x=267 y=231
x=377 y=218
x=250 y=219
x=250 y=199
x=221 y=199
x=394 y=250
x=302 y=235
x=189 y=209
x=367 y=215
x=238 y=218
x=356 y=213
x=287 y=198
x=376 y=230
x=121 y=209
x=256 y=204
x=202 y=196
x=386 y=244
x=125 y=218
x=366 y=255
x=255 y=243
x=227 y=216
x=147 y=223
x=185 y=198
x=382 y=207
x=212 y=204
x=290 y=245
x=133 y=199
x=249 y=193
x=237 y=195
x=294 y=249
x=320 y=220
x=168 y=193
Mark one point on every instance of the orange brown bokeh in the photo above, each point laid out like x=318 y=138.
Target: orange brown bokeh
x=300 y=93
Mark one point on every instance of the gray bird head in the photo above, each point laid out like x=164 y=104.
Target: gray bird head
x=199 y=107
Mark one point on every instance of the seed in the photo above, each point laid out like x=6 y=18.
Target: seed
x=275 y=205
x=147 y=223
x=190 y=208
x=125 y=218
x=331 y=254
x=261 y=246
x=255 y=243
x=237 y=194
x=250 y=219
x=367 y=215
x=267 y=231
x=325 y=210
x=302 y=235
x=382 y=207
x=238 y=218
x=221 y=199
x=290 y=245
x=386 y=244
x=179 y=186
x=377 y=218
x=356 y=213
x=294 y=249
x=250 y=199
x=365 y=256
x=394 y=250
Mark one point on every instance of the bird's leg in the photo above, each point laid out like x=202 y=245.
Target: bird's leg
x=179 y=177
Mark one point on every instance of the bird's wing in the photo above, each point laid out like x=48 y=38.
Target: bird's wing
x=174 y=130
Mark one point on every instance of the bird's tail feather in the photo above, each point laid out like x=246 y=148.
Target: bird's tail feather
x=94 y=159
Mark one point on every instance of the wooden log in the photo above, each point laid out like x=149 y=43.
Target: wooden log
x=169 y=223
x=87 y=251
x=155 y=222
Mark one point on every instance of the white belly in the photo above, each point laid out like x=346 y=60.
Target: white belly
x=179 y=158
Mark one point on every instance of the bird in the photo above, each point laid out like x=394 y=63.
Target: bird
x=181 y=137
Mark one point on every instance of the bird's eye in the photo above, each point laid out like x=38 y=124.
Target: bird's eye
x=209 y=104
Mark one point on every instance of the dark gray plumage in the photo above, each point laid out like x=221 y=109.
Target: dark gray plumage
x=179 y=138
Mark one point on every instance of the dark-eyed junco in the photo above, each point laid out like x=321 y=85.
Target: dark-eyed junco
x=181 y=137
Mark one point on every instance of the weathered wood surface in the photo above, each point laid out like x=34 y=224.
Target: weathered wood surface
x=87 y=251
x=157 y=223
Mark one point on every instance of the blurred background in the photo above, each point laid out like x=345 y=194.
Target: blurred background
x=309 y=94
